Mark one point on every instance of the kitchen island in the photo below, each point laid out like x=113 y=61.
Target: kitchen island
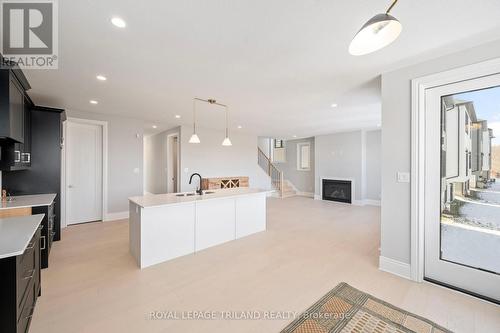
x=166 y=226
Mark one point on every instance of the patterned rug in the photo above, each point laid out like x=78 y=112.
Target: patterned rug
x=346 y=309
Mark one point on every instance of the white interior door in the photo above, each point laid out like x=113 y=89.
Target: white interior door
x=462 y=198
x=172 y=163
x=83 y=172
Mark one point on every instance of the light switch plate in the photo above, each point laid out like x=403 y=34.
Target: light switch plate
x=403 y=177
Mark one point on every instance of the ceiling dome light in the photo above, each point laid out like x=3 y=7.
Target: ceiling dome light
x=118 y=22
x=380 y=31
x=93 y=102
x=101 y=77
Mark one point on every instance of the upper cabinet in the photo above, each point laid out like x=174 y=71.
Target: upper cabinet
x=15 y=120
x=13 y=87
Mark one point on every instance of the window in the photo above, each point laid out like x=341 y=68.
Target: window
x=303 y=156
x=278 y=143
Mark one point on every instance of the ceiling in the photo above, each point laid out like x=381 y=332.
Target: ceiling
x=278 y=64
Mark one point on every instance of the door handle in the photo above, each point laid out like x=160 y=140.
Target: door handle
x=70 y=186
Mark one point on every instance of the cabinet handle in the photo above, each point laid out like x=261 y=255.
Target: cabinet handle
x=17 y=156
x=26 y=158
x=42 y=247
x=30 y=276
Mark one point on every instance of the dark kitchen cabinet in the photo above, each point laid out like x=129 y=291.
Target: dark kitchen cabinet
x=20 y=287
x=48 y=232
x=22 y=151
x=44 y=174
x=15 y=120
x=13 y=87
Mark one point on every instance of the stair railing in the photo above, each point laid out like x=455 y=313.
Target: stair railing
x=271 y=170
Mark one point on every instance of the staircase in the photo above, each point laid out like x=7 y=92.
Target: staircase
x=283 y=188
x=288 y=190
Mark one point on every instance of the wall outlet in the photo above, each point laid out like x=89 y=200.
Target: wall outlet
x=403 y=177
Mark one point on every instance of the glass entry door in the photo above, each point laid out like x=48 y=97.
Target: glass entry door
x=462 y=191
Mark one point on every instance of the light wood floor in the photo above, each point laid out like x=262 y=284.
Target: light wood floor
x=93 y=284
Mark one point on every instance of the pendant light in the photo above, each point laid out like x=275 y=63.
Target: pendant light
x=380 y=31
x=194 y=138
x=227 y=141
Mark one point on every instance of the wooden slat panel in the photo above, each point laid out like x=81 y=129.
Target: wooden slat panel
x=224 y=182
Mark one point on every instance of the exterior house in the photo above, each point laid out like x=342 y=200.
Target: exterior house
x=481 y=158
x=457 y=146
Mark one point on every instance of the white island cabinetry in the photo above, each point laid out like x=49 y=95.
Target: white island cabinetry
x=167 y=226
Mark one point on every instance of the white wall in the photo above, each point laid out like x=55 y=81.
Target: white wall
x=353 y=155
x=302 y=180
x=210 y=159
x=125 y=158
x=373 y=165
x=396 y=143
x=265 y=145
x=339 y=155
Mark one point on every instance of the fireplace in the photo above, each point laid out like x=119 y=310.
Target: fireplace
x=337 y=190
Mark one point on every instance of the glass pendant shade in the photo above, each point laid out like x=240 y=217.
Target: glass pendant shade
x=380 y=31
x=227 y=142
x=194 y=139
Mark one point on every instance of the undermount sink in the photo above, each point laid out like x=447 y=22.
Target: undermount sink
x=193 y=194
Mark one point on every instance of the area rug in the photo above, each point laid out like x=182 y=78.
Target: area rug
x=346 y=309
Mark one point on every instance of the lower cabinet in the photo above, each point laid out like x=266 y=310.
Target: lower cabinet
x=48 y=232
x=166 y=233
x=250 y=215
x=214 y=222
x=20 y=287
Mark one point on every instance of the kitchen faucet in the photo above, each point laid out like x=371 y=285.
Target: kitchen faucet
x=199 y=190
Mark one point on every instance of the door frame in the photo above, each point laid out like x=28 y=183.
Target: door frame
x=168 y=152
x=104 y=127
x=418 y=152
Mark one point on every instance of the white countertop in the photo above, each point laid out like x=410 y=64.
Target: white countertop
x=16 y=232
x=22 y=201
x=155 y=200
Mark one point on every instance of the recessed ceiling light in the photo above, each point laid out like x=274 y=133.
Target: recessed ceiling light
x=92 y=101
x=334 y=105
x=118 y=22
x=154 y=126
x=240 y=127
x=178 y=116
x=294 y=136
x=101 y=77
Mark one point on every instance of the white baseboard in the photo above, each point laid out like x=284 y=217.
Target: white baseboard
x=355 y=202
x=395 y=267
x=306 y=194
x=116 y=216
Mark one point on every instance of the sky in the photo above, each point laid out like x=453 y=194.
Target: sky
x=487 y=106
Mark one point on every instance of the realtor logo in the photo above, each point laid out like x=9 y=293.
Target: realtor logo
x=29 y=33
